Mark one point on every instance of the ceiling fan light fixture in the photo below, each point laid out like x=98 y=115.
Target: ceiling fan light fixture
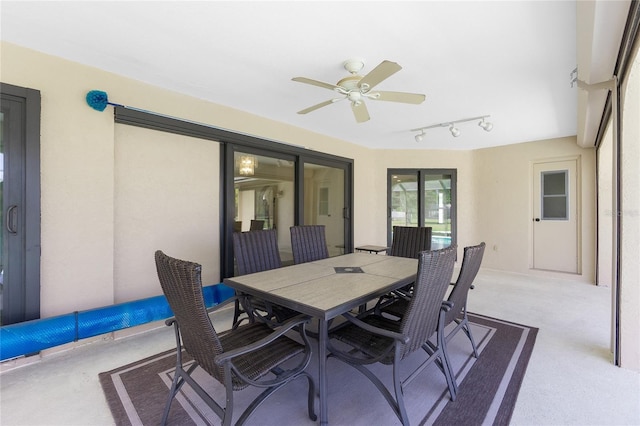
x=356 y=88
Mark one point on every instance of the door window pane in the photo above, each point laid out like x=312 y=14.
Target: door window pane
x=437 y=208
x=554 y=195
x=324 y=203
x=423 y=197
x=264 y=197
x=404 y=200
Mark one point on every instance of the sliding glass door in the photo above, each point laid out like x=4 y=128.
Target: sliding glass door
x=281 y=187
x=423 y=197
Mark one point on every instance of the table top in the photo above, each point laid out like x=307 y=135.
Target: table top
x=329 y=287
x=372 y=249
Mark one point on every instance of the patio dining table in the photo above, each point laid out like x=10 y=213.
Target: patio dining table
x=327 y=288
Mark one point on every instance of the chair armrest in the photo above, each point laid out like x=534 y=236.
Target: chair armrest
x=294 y=322
x=223 y=303
x=446 y=306
x=375 y=330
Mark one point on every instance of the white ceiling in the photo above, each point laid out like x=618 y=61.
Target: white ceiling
x=508 y=59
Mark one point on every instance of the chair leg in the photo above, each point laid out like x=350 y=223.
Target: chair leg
x=311 y=398
x=236 y=314
x=397 y=385
x=448 y=370
x=467 y=331
x=172 y=393
x=176 y=385
x=228 y=407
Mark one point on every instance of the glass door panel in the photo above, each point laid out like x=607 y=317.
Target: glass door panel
x=437 y=208
x=324 y=203
x=264 y=197
x=404 y=200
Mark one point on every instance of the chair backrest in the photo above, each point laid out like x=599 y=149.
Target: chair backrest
x=182 y=286
x=420 y=321
x=256 y=225
x=470 y=266
x=408 y=241
x=308 y=243
x=256 y=251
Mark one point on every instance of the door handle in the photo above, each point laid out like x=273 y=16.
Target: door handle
x=537 y=219
x=10 y=220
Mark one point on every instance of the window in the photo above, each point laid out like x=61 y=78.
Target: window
x=555 y=200
x=423 y=197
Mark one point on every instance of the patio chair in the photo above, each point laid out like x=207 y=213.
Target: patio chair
x=375 y=339
x=256 y=225
x=257 y=251
x=457 y=299
x=408 y=241
x=251 y=355
x=308 y=243
x=471 y=261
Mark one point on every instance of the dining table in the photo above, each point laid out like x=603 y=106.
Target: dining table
x=327 y=288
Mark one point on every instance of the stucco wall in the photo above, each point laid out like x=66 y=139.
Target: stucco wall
x=503 y=183
x=630 y=215
x=89 y=253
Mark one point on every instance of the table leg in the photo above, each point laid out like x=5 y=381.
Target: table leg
x=322 y=370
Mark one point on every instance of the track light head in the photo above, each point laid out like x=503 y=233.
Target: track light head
x=486 y=126
x=455 y=132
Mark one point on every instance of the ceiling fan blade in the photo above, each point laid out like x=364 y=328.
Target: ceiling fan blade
x=318 y=106
x=315 y=83
x=360 y=112
x=383 y=71
x=407 y=98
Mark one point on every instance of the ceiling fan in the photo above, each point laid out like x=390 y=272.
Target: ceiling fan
x=357 y=88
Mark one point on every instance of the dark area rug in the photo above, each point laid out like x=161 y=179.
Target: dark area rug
x=489 y=387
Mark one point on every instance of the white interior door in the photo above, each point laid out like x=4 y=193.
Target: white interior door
x=555 y=216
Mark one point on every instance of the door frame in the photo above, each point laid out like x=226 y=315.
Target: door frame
x=24 y=299
x=535 y=180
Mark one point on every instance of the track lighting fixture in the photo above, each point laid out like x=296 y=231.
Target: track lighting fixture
x=455 y=132
x=486 y=126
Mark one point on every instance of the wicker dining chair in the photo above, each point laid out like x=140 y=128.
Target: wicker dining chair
x=257 y=251
x=308 y=243
x=251 y=355
x=457 y=299
x=408 y=241
x=256 y=225
x=375 y=339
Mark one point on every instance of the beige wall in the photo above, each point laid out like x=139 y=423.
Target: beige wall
x=166 y=198
x=97 y=245
x=504 y=218
x=630 y=201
